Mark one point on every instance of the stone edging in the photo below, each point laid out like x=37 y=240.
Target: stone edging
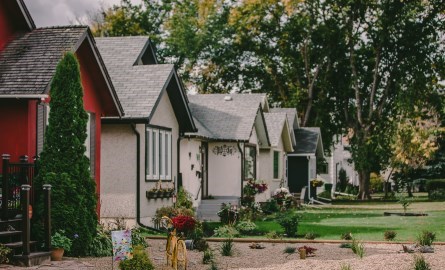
x=258 y=240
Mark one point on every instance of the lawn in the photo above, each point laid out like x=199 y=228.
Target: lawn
x=366 y=221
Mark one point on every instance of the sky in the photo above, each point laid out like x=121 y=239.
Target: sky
x=64 y=12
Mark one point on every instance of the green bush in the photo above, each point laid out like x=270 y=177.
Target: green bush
x=101 y=245
x=207 y=257
x=390 y=235
x=226 y=231
x=246 y=227
x=420 y=263
x=227 y=214
x=342 y=180
x=328 y=187
x=426 y=238
x=197 y=235
x=63 y=162
x=435 y=184
x=4 y=254
x=289 y=221
x=137 y=238
x=270 y=207
x=139 y=261
x=227 y=247
x=184 y=199
x=60 y=240
x=437 y=195
x=310 y=236
x=325 y=194
x=376 y=182
x=358 y=248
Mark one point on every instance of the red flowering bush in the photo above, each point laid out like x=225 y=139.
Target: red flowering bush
x=309 y=250
x=252 y=188
x=184 y=223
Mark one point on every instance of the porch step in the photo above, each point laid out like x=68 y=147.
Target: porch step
x=33 y=259
x=209 y=208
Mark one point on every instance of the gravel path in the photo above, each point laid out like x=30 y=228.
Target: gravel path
x=327 y=257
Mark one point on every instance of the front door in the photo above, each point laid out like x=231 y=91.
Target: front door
x=204 y=174
x=297 y=173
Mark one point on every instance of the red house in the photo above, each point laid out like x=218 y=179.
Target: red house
x=28 y=59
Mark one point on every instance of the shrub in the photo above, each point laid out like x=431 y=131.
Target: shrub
x=101 y=245
x=376 y=182
x=325 y=194
x=4 y=254
x=60 y=240
x=358 y=248
x=227 y=247
x=343 y=180
x=435 y=184
x=310 y=236
x=273 y=235
x=345 y=267
x=346 y=236
x=289 y=221
x=390 y=235
x=184 y=224
x=197 y=235
x=270 y=207
x=207 y=257
x=226 y=231
x=137 y=238
x=426 y=238
x=63 y=162
x=227 y=214
x=404 y=201
x=420 y=263
x=246 y=227
x=139 y=261
x=437 y=194
x=289 y=250
x=213 y=266
x=184 y=199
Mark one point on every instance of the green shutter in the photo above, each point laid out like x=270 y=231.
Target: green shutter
x=276 y=156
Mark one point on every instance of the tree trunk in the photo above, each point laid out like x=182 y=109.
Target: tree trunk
x=364 y=182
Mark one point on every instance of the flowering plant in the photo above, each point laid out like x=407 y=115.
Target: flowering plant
x=281 y=193
x=253 y=187
x=184 y=223
x=316 y=183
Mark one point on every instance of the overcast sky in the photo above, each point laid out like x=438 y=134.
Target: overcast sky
x=63 y=12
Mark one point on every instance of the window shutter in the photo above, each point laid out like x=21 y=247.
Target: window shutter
x=41 y=124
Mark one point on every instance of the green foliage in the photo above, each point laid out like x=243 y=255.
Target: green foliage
x=390 y=235
x=207 y=257
x=63 y=162
x=101 y=245
x=227 y=214
x=246 y=227
x=4 y=254
x=289 y=221
x=426 y=238
x=345 y=245
x=420 y=263
x=310 y=236
x=197 y=235
x=139 y=261
x=435 y=185
x=328 y=187
x=137 y=238
x=214 y=266
x=404 y=201
x=270 y=207
x=437 y=195
x=358 y=248
x=376 y=182
x=289 y=250
x=226 y=231
x=184 y=199
x=227 y=247
x=345 y=267
x=60 y=240
x=273 y=235
x=325 y=194
x=346 y=236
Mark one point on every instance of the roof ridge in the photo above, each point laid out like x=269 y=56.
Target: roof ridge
x=63 y=26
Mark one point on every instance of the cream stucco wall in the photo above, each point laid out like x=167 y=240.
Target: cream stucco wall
x=190 y=163
x=118 y=167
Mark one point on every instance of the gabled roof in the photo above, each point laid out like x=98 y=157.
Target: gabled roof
x=228 y=116
x=28 y=63
x=278 y=129
x=308 y=141
x=292 y=116
x=139 y=84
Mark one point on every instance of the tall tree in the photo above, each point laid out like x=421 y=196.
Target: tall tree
x=63 y=162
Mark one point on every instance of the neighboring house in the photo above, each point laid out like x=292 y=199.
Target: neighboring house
x=272 y=161
x=302 y=163
x=28 y=60
x=140 y=150
x=224 y=153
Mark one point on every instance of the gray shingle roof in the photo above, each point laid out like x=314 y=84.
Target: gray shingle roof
x=138 y=86
x=28 y=63
x=291 y=115
x=275 y=125
x=225 y=120
x=307 y=140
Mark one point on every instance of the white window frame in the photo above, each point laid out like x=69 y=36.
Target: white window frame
x=158 y=160
x=161 y=165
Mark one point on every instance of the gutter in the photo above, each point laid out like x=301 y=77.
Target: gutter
x=138 y=183
x=36 y=96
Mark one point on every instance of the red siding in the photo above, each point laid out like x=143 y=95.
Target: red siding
x=12 y=21
x=6 y=27
x=18 y=128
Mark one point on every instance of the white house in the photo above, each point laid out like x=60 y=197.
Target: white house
x=224 y=153
x=273 y=160
x=140 y=150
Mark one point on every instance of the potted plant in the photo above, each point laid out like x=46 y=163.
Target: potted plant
x=60 y=243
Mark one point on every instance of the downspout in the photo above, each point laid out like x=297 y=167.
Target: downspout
x=309 y=177
x=242 y=168
x=138 y=183
x=178 y=160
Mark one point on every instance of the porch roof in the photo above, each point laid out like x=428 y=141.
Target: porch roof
x=308 y=141
x=226 y=116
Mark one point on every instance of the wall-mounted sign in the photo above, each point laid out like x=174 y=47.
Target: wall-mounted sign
x=224 y=150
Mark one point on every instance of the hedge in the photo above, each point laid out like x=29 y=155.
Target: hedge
x=435 y=184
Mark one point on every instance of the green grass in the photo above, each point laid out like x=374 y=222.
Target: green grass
x=366 y=221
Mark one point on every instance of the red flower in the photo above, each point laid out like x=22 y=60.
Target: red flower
x=184 y=223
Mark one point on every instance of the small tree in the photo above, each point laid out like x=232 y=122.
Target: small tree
x=342 y=179
x=63 y=163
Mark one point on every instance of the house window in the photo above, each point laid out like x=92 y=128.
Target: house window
x=276 y=164
x=249 y=162
x=158 y=154
x=90 y=142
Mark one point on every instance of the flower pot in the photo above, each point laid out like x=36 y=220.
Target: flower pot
x=57 y=254
x=151 y=195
